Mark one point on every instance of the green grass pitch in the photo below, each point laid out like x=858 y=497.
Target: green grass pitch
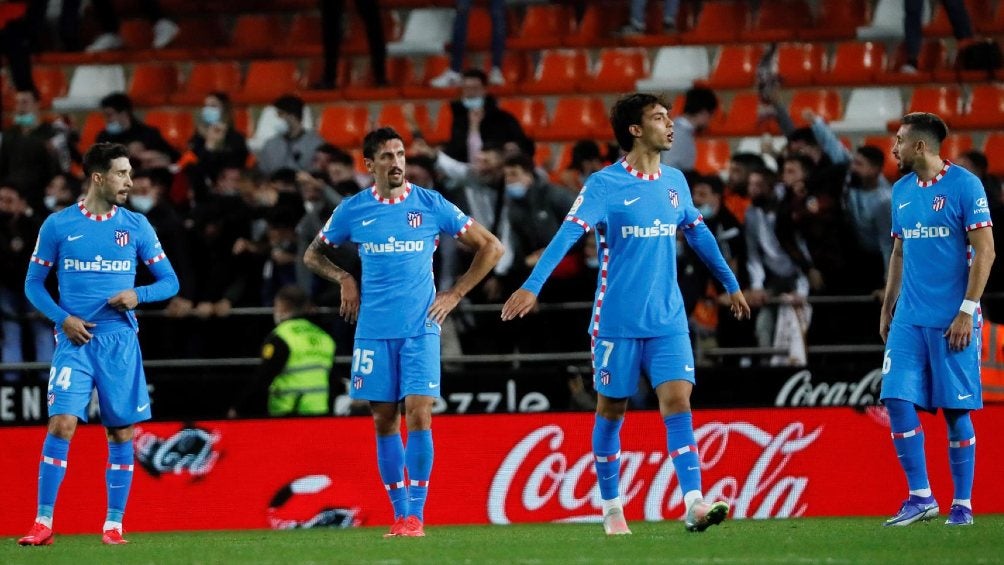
x=800 y=541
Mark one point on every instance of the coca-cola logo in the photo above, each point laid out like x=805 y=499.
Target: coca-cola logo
x=799 y=390
x=538 y=481
x=191 y=450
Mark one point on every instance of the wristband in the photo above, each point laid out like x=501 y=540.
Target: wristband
x=968 y=306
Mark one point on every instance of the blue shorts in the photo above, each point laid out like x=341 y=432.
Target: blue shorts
x=618 y=362
x=387 y=370
x=111 y=363
x=919 y=367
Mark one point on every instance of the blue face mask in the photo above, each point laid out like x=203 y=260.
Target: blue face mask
x=141 y=204
x=25 y=120
x=473 y=103
x=516 y=190
x=211 y=115
x=706 y=210
x=114 y=128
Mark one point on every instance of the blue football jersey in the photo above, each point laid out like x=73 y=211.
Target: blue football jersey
x=95 y=258
x=636 y=217
x=396 y=240
x=932 y=218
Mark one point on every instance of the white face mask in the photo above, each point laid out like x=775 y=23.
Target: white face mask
x=50 y=202
x=211 y=114
x=282 y=127
x=141 y=204
x=473 y=102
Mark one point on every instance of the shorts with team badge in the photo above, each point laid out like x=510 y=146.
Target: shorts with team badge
x=109 y=362
x=387 y=370
x=921 y=368
x=618 y=362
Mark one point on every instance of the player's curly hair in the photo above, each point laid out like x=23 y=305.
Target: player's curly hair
x=376 y=138
x=99 y=157
x=628 y=111
x=926 y=124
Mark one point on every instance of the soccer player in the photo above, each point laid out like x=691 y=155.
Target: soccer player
x=396 y=226
x=940 y=262
x=95 y=247
x=636 y=206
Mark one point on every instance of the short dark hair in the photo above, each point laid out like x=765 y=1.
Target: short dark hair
x=476 y=73
x=376 y=138
x=117 y=101
x=290 y=104
x=873 y=155
x=295 y=296
x=978 y=159
x=714 y=181
x=99 y=157
x=283 y=175
x=628 y=111
x=926 y=124
x=585 y=150
x=804 y=135
x=159 y=176
x=751 y=161
x=698 y=99
x=521 y=160
x=807 y=163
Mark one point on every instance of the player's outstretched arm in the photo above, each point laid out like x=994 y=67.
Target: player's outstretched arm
x=960 y=333
x=521 y=303
x=487 y=252
x=524 y=300
x=318 y=262
x=892 y=286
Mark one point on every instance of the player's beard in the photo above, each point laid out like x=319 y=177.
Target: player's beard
x=395 y=183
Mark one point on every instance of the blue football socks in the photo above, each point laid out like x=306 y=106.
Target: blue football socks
x=51 y=471
x=418 y=456
x=961 y=452
x=682 y=449
x=390 y=461
x=607 y=455
x=908 y=438
x=118 y=479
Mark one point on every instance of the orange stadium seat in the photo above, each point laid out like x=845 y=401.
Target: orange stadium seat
x=854 y=63
x=137 y=34
x=718 y=22
x=269 y=79
x=531 y=113
x=355 y=42
x=93 y=124
x=177 y=126
x=50 y=82
x=985 y=108
x=305 y=37
x=940 y=100
x=362 y=87
x=433 y=66
x=197 y=37
x=242 y=122
x=344 y=125
x=712 y=155
x=153 y=83
x=741 y=117
x=516 y=67
x=255 y=35
x=544 y=26
x=560 y=71
x=993 y=24
x=932 y=58
x=940 y=26
x=798 y=63
x=993 y=147
x=618 y=70
x=735 y=67
x=209 y=77
x=779 y=20
x=956 y=144
x=596 y=29
x=824 y=102
x=440 y=133
x=393 y=114
x=885 y=143
x=838 y=19
x=479 y=29
x=575 y=118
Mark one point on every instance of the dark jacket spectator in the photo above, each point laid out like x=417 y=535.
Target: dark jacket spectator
x=478 y=110
x=122 y=126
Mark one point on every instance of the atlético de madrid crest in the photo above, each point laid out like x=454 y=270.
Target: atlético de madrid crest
x=414 y=218
x=122 y=237
x=939 y=202
x=674 y=198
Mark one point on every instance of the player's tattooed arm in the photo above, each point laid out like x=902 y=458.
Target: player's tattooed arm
x=318 y=262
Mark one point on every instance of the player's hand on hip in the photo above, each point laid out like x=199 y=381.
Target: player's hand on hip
x=125 y=300
x=740 y=309
x=521 y=303
x=960 y=333
x=444 y=303
x=76 y=330
x=349 y=308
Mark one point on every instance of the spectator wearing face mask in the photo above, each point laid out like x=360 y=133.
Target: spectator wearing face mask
x=478 y=120
x=122 y=126
x=27 y=158
x=216 y=143
x=62 y=191
x=293 y=146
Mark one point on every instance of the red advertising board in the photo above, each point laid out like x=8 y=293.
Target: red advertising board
x=491 y=469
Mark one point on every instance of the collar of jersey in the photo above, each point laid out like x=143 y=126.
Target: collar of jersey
x=937 y=177
x=96 y=217
x=398 y=200
x=639 y=174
